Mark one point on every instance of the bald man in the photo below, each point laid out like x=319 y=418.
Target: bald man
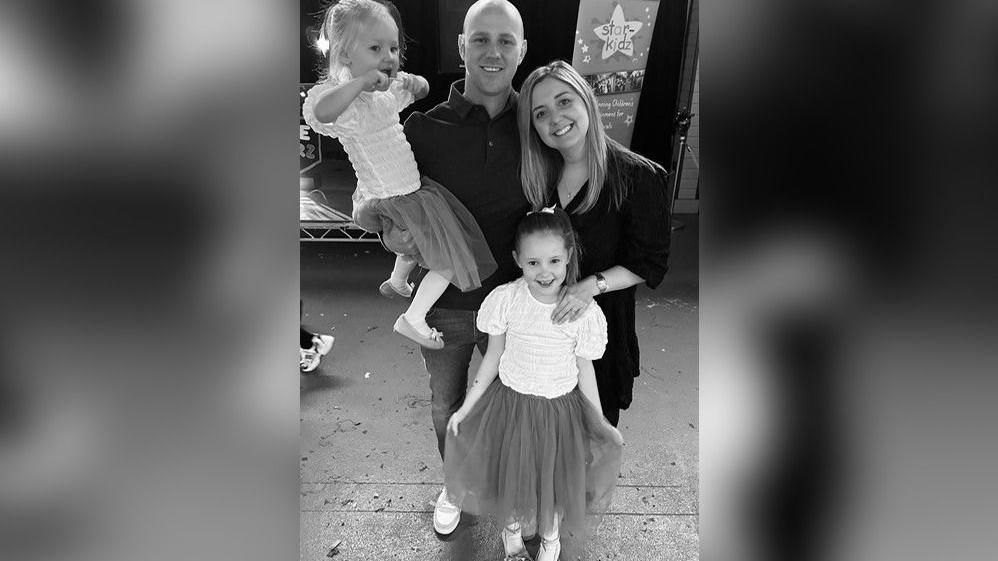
x=470 y=145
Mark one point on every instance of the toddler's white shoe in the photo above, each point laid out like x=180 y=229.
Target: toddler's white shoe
x=550 y=550
x=446 y=515
x=389 y=290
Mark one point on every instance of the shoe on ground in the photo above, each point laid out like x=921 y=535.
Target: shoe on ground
x=512 y=543
x=308 y=359
x=323 y=343
x=549 y=550
x=446 y=515
x=389 y=290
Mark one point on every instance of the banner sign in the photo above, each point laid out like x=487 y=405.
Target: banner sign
x=309 y=153
x=612 y=40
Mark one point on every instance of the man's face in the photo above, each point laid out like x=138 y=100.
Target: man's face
x=491 y=47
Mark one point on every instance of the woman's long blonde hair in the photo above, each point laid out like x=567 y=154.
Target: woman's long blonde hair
x=541 y=165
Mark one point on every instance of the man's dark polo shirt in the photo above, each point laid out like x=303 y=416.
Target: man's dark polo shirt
x=477 y=159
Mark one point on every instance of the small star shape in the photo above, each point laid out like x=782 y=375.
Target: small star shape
x=586 y=58
x=585 y=48
x=628 y=120
x=617 y=34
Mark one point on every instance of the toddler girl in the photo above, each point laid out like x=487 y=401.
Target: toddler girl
x=359 y=103
x=533 y=446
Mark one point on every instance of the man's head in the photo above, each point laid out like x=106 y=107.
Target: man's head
x=492 y=47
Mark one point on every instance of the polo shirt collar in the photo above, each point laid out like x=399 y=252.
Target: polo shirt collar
x=463 y=106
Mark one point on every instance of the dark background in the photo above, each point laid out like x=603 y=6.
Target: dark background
x=549 y=27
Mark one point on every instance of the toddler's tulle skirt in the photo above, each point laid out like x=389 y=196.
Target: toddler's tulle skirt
x=444 y=231
x=526 y=458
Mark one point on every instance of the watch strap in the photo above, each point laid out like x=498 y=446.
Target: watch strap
x=601 y=283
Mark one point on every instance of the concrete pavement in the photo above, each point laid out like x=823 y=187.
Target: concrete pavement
x=370 y=471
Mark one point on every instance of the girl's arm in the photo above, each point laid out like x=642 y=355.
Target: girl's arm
x=576 y=298
x=487 y=372
x=334 y=103
x=587 y=382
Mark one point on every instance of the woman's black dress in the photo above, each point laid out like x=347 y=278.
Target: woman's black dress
x=636 y=236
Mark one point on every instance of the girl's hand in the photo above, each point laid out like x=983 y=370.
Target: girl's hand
x=456 y=419
x=375 y=79
x=572 y=301
x=407 y=81
x=415 y=84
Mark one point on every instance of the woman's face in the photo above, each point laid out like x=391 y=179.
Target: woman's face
x=559 y=116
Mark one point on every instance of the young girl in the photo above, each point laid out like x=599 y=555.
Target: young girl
x=359 y=103
x=533 y=445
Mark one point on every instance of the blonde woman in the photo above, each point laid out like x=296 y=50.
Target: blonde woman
x=618 y=203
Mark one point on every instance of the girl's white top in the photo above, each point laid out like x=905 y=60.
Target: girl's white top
x=539 y=358
x=372 y=137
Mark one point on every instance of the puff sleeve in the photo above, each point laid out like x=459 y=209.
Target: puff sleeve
x=403 y=97
x=646 y=214
x=591 y=338
x=346 y=124
x=493 y=315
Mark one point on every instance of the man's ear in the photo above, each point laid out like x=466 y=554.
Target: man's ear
x=460 y=45
x=523 y=52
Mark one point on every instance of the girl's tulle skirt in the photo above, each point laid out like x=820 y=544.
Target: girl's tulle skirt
x=444 y=231
x=528 y=458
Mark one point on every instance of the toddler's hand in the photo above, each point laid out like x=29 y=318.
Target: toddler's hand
x=376 y=80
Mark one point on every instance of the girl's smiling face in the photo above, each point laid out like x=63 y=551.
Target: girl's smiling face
x=544 y=260
x=376 y=46
x=559 y=115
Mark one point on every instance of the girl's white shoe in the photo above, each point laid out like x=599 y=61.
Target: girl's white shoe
x=550 y=550
x=512 y=542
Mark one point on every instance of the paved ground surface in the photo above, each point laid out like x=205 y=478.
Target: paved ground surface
x=370 y=471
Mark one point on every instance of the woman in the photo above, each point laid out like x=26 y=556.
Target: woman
x=618 y=203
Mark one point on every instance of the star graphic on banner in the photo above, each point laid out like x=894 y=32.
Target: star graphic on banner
x=581 y=41
x=617 y=34
x=586 y=58
x=628 y=120
x=585 y=48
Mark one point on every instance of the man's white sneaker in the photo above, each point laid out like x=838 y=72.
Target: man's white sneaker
x=446 y=514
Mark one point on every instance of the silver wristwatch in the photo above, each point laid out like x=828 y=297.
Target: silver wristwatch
x=601 y=283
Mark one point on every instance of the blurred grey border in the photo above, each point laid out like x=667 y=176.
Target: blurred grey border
x=848 y=327
x=150 y=280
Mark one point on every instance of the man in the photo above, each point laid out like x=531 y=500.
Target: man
x=470 y=145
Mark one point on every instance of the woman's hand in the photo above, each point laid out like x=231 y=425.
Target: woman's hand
x=455 y=420
x=572 y=301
